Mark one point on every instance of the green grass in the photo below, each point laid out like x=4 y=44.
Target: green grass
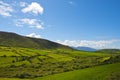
x=23 y=57
x=105 y=59
x=95 y=73
x=12 y=79
x=31 y=63
x=60 y=57
x=83 y=53
x=14 y=51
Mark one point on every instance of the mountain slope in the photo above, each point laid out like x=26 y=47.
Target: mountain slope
x=14 y=40
x=85 y=48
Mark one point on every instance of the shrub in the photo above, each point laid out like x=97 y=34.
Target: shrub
x=114 y=76
x=23 y=75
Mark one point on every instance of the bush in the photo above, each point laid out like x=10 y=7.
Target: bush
x=23 y=75
x=4 y=56
x=114 y=76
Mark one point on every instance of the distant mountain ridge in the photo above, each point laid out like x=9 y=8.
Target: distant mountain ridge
x=85 y=48
x=9 y=39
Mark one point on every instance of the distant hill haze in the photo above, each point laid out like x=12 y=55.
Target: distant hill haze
x=85 y=48
x=9 y=39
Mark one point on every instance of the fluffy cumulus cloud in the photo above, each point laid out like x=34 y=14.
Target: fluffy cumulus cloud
x=34 y=23
x=5 y=9
x=34 y=35
x=93 y=44
x=34 y=8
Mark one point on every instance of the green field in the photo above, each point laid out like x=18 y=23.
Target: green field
x=96 y=73
x=24 y=63
x=105 y=72
x=12 y=79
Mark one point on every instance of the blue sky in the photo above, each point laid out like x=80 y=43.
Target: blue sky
x=91 y=23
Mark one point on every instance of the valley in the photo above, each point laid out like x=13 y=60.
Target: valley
x=32 y=63
x=27 y=62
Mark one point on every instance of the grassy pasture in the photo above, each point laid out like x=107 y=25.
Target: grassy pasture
x=96 y=73
x=24 y=63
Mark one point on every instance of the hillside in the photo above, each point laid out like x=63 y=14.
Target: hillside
x=112 y=51
x=105 y=72
x=31 y=63
x=32 y=58
x=9 y=39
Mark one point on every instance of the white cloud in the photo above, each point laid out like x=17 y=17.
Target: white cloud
x=23 y=4
x=5 y=9
x=34 y=23
x=34 y=7
x=34 y=35
x=93 y=44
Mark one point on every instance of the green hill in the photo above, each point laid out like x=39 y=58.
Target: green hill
x=31 y=63
x=28 y=58
x=112 y=51
x=105 y=72
x=14 y=40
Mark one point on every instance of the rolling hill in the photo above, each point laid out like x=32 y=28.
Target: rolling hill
x=112 y=51
x=31 y=63
x=105 y=72
x=9 y=39
x=32 y=58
